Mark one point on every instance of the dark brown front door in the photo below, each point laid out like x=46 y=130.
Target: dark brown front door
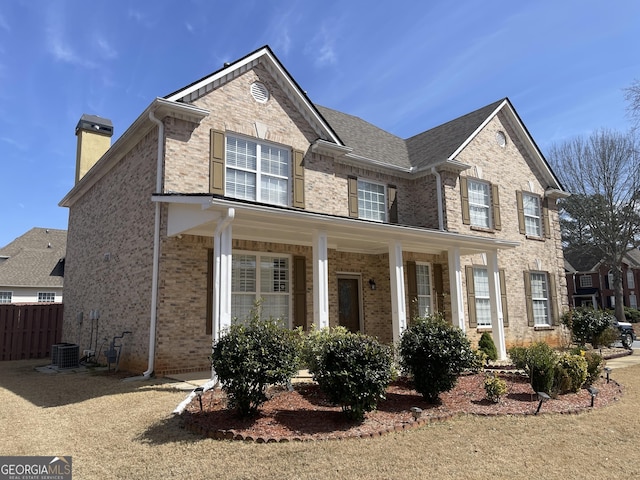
x=349 y=304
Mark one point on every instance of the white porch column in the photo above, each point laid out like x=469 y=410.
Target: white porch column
x=222 y=258
x=398 y=302
x=320 y=280
x=495 y=301
x=455 y=284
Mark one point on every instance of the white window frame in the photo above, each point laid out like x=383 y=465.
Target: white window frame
x=366 y=201
x=424 y=283
x=6 y=297
x=482 y=297
x=259 y=173
x=631 y=281
x=44 y=297
x=479 y=213
x=258 y=293
x=540 y=299
x=586 y=281
x=532 y=217
x=633 y=300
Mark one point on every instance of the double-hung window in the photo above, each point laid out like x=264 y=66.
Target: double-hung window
x=540 y=298
x=371 y=201
x=423 y=283
x=631 y=281
x=586 y=281
x=46 y=297
x=5 y=297
x=257 y=171
x=264 y=278
x=479 y=203
x=483 y=304
x=532 y=214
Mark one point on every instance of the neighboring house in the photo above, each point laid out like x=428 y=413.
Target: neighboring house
x=32 y=267
x=238 y=188
x=590 y=281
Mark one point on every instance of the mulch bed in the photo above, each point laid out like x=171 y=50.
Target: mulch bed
x=305 y=414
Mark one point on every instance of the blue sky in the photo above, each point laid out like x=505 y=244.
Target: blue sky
x=405 y=66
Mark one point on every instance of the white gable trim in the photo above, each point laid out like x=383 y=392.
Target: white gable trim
x=265 y=57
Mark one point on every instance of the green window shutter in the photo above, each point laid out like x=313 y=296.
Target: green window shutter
x=471 y=297
x=528 y=298
x=495 y=201
x=216 y=160
x=438 y=287
x=353 y=196
x=298 y=179
x=464 y=198
x=299 y=292
x=521 y=224
x=392 y=202
x=209 y=311
x=545 y=218
x=503 y=297
x=412 y=290
x=553 y=300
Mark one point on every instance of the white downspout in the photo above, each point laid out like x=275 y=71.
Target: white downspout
x=156 y=255
x=439 y=195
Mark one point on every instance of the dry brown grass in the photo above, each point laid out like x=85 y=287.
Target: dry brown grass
x=114 y=429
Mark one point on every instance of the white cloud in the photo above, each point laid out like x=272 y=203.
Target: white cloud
x=106 y=49
x=57 y=45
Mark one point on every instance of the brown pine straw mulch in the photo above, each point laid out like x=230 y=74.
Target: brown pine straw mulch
x=305 y=414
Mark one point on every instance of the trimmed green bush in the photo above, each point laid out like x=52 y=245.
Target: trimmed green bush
x=352 y=369
x=586 y=324
x=487 y=345
x=606 y=338
x=251 y=356
x=434 y=352
x=570 y=373
x=538 y=361
x=632 y=314
x=595 y=364
x=495 y=388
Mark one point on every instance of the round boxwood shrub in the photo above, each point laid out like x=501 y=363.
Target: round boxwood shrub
x=251 y=356
x=539 y=362
x=586 y=324
x=570 y=373
x=495 y=388
x=487 y=345
x=352 y=369
x=434 y=352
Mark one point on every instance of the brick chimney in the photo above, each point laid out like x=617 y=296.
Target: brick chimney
x=94 y=139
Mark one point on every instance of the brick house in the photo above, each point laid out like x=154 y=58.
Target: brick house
x=590 y=281
x=238 y=187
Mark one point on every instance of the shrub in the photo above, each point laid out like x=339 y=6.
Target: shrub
x=586 y=324
x=434 y=353
x=606 y=338
x=632 y=314
x=352 y=369
x=570 y=373
x=595 y=364
x=538 y=361
x=251 y=356
x=495 y=388
x=487 y=345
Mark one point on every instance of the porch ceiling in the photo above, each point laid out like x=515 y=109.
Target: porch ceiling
x=199 y=215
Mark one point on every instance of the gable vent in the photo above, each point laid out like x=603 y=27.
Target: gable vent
x=259 y=92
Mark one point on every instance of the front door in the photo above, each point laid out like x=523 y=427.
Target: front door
x=349 y=303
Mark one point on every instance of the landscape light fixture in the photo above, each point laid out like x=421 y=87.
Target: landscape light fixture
x=608 y=371
x=416 y=412
x=198 y=391
x=593 y=392
x=372 y=283
x=543 y=397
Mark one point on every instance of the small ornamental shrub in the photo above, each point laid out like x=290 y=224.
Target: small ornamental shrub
x=252 y=355
x=495 y=388
x=632 y=314
x=570 y=373
x=434 y=352
x=606 y=338
x=595 y=364
x=538 y=361
x=586 y=324
x=352 y=369
x=487 y=345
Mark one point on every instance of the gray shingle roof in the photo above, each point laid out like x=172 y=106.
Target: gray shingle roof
x=420 y=151
x=34 y=259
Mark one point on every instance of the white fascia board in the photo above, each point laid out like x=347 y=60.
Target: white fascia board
x=476 y=131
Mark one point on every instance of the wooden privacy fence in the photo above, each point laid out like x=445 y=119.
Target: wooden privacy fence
x=29 y=330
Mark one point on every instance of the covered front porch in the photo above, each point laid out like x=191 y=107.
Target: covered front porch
x=331 y=238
